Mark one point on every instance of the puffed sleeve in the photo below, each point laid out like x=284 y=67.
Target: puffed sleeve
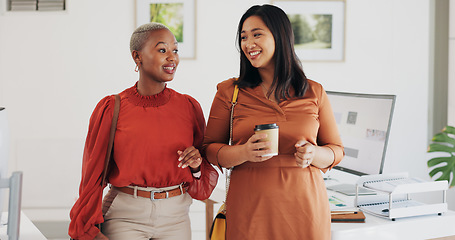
x=201 y=188
x=86 y=212
x=217 y=133
x=328 y=135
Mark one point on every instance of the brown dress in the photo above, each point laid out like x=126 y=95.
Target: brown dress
x=275 y=199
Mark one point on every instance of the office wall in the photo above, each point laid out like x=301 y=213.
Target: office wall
x=439 y=69
x=55 y=67
x=451 y=94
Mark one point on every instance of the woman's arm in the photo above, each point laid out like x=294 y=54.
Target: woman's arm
x=230 y=156
x=202 y=186
x=86 y=212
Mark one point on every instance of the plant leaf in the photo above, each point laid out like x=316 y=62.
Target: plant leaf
x=435 y=161
x=443 y=165
x=446 y=172
x=449 y=129
x=444 y=138
x=436 y=147
x=444 y=175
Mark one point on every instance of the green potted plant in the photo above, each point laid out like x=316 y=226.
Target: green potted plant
x=443 y=142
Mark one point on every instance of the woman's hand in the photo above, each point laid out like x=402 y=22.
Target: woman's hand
x=305 y=153
x=100 y=236
x=254 y=150
x=190 y=157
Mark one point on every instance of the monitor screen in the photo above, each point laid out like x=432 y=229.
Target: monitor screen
x=363 y=122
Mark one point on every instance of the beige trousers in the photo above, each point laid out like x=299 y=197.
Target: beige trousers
x=130 y=218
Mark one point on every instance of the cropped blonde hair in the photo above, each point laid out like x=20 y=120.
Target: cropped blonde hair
x=142 y=33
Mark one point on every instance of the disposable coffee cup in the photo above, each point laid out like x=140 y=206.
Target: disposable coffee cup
x=272 y=135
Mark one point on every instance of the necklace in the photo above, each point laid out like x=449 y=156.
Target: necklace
x=271 y=97
x=263 y=87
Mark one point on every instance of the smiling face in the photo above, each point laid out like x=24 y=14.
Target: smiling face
x=257 y=43
x=159 y=57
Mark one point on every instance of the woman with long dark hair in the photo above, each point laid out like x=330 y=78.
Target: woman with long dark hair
x=282 y=196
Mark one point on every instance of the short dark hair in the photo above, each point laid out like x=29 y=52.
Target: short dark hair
x=142 y=34
x=288 y=68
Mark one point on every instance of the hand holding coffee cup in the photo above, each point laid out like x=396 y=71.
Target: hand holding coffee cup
x=254 y=148
x=272 y=136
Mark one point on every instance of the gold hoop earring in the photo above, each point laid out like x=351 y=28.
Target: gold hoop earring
x=136 y=69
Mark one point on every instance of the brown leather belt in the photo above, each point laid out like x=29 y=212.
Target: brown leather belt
x=154 y=195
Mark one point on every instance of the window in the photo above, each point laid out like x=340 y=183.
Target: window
x=36 y=5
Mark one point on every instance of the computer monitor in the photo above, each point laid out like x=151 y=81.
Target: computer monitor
x=363 y=122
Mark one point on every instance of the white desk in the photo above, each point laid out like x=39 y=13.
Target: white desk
x=28 y=231
x=415 y=228
x=377 y=228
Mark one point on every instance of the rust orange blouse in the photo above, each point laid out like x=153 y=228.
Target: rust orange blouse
x=150 y=131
